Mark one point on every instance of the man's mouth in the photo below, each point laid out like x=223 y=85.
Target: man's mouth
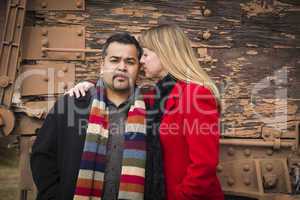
x=120 y=77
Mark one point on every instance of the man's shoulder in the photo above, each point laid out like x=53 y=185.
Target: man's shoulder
x=66 y=102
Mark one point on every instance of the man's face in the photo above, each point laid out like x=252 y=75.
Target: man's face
x=121 y=67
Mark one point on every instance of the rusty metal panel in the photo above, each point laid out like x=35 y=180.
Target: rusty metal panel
x=27 y=125
x=255 y=178
x=7 y=120
x=9 y=50
x=26 y=182
x=3 y=7
x=56 y=5
x=35 y=109
x=46 y=79
x=36 y=38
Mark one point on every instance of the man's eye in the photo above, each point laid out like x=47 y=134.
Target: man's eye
x=114 y=61
x=131 y=62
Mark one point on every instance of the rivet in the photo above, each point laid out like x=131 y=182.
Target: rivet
x=78 y=4
x=270 y=152
x=46 y=79
x=269 y=167
x=246 y=168
x=44 y=32
x=267 y=135
x=247 y=152
x=1 y=121
x=206 y=35
x=65 y=69
x=78 y=55
x=45 y=42
x=219 y=168
x=79 y=32
x=230 y=151
x=44 y=54
x=4 y=81
x=44 y=4
x=207 y=12
x=65 y=86
x=247 y=181
x=230 y=181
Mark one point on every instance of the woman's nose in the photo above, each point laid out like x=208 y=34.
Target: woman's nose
x=142 y=61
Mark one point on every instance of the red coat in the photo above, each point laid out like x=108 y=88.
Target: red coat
x=189 y=135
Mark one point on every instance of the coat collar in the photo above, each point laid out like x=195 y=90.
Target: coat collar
x=175 y=95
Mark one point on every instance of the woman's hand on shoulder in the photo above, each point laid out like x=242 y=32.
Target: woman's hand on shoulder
x=80 y=89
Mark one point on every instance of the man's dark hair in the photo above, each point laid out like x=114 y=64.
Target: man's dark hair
x=123 y=38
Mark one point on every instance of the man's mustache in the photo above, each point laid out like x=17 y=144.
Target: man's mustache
x=123 y=75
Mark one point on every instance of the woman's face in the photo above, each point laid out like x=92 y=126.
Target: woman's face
x=152 y=65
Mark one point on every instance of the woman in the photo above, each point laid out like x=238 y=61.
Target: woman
x=184 y=120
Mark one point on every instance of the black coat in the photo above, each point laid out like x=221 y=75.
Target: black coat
x=56 y=153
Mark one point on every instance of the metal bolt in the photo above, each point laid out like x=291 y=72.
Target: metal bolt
x=270 y=152
x=230 y=181
x=206 y=35
x=78 y=55
x=65 y=86
x=207 y=12
x=44 y=54
x=246 y=168
x=1 y=121
x=247 y=181
x=270 y=180
x=44 y=32
x=219 y=168
x=44 y=4
x=4 y=81
x=247 y=152
x=46 y=79
x=45 y=42
x=230 y=151
x=79 y=32
x=267 y=135
x=78 y=4
x=65 y=69
x=269 y=167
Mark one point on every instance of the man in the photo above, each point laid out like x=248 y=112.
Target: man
x=105 y=158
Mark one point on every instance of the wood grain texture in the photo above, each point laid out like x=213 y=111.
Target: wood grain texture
x=253 y=52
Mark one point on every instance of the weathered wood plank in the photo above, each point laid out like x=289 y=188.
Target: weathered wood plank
x=258 y=72
x=243 y=118
x=248 y=47
x=232 y=23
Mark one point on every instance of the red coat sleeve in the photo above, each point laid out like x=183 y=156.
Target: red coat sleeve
x=202 y=137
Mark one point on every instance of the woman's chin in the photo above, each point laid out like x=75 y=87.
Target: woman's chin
x=151 y=76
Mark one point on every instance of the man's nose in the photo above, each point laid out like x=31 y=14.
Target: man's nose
x=122 y=66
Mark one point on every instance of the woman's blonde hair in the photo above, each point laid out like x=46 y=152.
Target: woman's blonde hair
x=173 y=48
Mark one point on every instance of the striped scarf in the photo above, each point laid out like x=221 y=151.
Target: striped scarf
x=90 y=179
